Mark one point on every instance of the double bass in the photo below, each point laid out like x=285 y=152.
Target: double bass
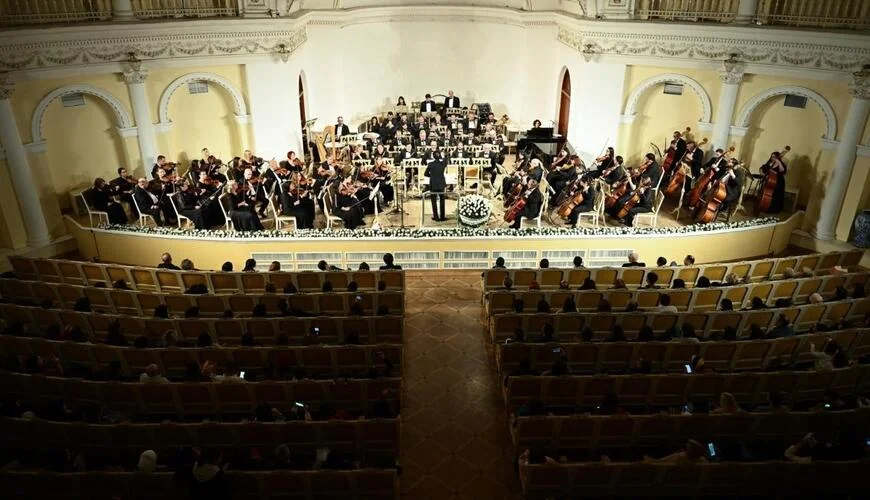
x=703 y=183
x=769 y=185
x=670 y=155
x=675 y=187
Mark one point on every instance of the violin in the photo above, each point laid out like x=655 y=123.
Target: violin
x=769 y=186
x=703 y=183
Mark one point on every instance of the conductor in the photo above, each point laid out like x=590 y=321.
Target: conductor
x=437 y=185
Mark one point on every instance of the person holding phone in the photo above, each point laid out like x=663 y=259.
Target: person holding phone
x=693 y=453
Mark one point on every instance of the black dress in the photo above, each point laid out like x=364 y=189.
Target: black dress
x=303 y=212
x=352 y=218
x=189 y=201
x=778 y=199
x=103 y=202
x=243 y=216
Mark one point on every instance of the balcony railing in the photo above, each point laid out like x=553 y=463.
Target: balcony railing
x=853 y=14
x=150 y=9
x=20 y=12
x=723 y=11
x=14 y=12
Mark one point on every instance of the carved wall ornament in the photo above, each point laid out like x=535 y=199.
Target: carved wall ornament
x=860 y=86
x=830 y=117
x=121 y=115
x=697 y=88
x=239 y=107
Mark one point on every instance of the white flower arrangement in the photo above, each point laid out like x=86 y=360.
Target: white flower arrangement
x=449 y=232
x=474 y=210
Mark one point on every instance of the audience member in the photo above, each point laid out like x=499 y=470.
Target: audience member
x=569 y=306
x=166 y=262
x=661 y=262
x=815 y=298
x=678 y=283
x=757 y=303
x=588 y=284
x=363 y=266
x=275 y=266
x=120 y=285
x=227 y=267
x=726 y=305
x=632 y=261
x=564 y=285
x=703 y=282
x=665 y=304
x=689 y=260
x=507 y=283
x=618 y=284
x=388 y=263
x=187 y=265
x=651 y=280
x=727 y=404
x=782 y=329
x=544 y=264
x=250 y=266
x=578 y=262
x=499 y=263
x=152 y=376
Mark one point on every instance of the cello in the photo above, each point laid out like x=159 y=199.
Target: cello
x=706 y=212
x=769 y=185
x=634 y=199
x=575 y=198
x=703 y=183
x=670 y=155
x=517 y=208
x=617 y=193
x=675 y=187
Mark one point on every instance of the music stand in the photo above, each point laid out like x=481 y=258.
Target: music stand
x=373 y=198
x=398 y=197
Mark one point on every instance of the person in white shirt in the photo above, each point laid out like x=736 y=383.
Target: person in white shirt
x=665 y=304
x=152 y=376
x=452 y=101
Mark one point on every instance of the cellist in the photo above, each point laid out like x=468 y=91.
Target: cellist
x=733 y=185
x=533 y=201
x=776 y=165
x=588 y=190
x=645 y=192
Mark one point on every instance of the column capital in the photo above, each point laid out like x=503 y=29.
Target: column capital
x=132 y=76
x=731 y=70
x=860 y=86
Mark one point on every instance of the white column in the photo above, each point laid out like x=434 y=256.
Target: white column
x=142 y=113
x=746 y=11
x=731 y=81
x=19 y=170
x=844 y=162
x=122 y=10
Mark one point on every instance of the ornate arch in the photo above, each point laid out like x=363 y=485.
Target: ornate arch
x=830 y=117
x=697 y=88
x=125 y=123
x=240 y=108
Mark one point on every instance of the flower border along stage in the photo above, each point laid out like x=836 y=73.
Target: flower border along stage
x=452 y=232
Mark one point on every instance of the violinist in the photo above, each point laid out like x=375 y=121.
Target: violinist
x=533 y=198
x=206 y=186
x=295 y=163
x=203 y=161
x=379 y=151
x=102 y=199
x=615 y=173
x=149 y=203
x=161 y=163
x=166 y=180
x=296 y=200
x=382 y=178
x=644 y=204
x=374 y=125
x=562 y=172
x=242 y=208
x=493 y=166
x=588 y=203
x=122 y=186
x=324 y=175
x=255 y=190
x=255 y=161
x=189 y=205
x=776 y=165
x=603 y=163
x=348 y=206
x=358 y=153
x=212 y=169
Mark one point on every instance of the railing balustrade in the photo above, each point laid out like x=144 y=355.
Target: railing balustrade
x=852 y=14
x=17 y=12
x=150 y=9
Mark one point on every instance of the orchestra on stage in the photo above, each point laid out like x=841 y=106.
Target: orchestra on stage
x=435 y=150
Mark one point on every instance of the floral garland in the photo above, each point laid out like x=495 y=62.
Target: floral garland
x=455 y=232
x=475 y=206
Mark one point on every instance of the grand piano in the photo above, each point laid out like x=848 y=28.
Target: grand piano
x=543 y=144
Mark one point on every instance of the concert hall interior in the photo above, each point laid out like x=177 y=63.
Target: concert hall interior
x=556 y=249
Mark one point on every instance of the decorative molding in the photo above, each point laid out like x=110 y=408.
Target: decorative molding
x=739 y=131
x=705 y=126
x=697 y=88
x=128 y=132
x=830 y=145
x=860 y=86
x=240 y=108
x=134 y=77
x=163 y=127
x=36 y=147
x=863 y=150
x=830 y=117
x=121 y=114
x=40 y=51
x=637 y=40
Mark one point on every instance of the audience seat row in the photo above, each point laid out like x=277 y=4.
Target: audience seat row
x=152 y=279
x=369 y=484
x=749 y=271
x=723 y=480
x=197 y=398
x=594 y=434
x=725 y=355
x=577 y=392
x=303 y=438
x=318 y=361
x=696 y=299
x=568 y=326
x=332 y=330
x=139 y=303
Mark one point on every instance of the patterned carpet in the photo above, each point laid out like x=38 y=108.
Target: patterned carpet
x=455 y=440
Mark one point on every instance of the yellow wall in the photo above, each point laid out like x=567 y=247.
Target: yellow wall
x=12 y=234
x=659 y=115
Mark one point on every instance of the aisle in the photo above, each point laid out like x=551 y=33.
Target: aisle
x=455 y=441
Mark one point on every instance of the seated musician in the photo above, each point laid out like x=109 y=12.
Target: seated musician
x=420 y=125
x=561 y=171
x=407 y=154
x=471 y=124
x=536 y=124
x=189 y=205
x=733 y=186
x=460 y=151
x=358 y=153
x=347 y=205
x=431 y=150
x=533 y=198
x=436 y=122
x=588 y=203
x=102 y=199
x=776 y=164
x=493 y=167
x=653 y=169
x=374 y=125
x=421 y=139
x=380 y=151
x=401 y=120
x=446 y=139
x=123 y=185
x=295 y=163
x=252 y=184
x=324 y=175
x=204 y=185
x=212 y=168
x=388 y=132
x=383 y=178
x=242 y=202
x=428 y=105
x=161 y=163
x=296 y=200
x=536 y=170
x=451 y=101
x=149 y=203
x=617 y=172
x=204 y=156
x=603 y=163
x=401 y=101
x=644 y=205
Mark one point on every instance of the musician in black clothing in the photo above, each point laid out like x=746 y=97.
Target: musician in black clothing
x=533 y=198
x=161 y=163
x=653 y=170
x=123 y=185
x=428 y=105
x=242 y=203
x=101 y=197
x=451 y=101
x=733 y=185
x=644 y=205
x=254 y=184
x=536 y=170
x=348 y=207
x=587 y=205
x=437 y=184
x=341 y=129
x=188 y=204
x=493 y=166
x=407 y=154
x=694 y=158
x=149 y=203
x=615 y=172
x=778 y=166
x=679 y=145
x=298 y=202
